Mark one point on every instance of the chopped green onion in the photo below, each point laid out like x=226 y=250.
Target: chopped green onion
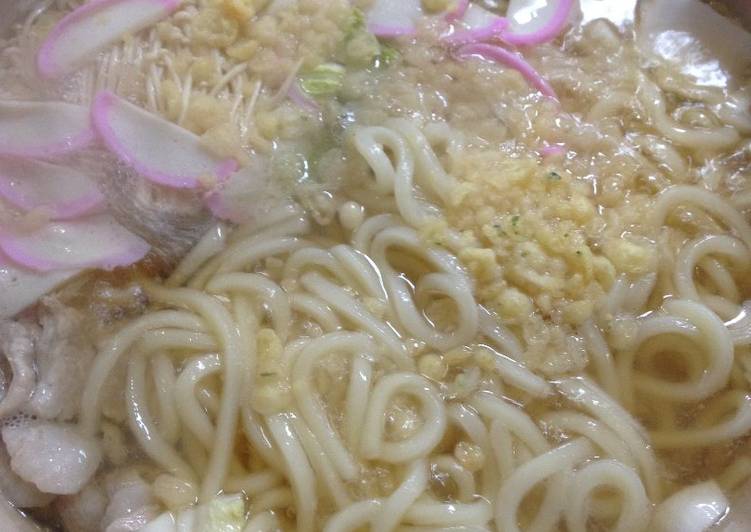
x=388 y=55
x=356 y=22
x=324 y=80
x=361 y=49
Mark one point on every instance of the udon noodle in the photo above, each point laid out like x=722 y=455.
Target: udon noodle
x=453 y=304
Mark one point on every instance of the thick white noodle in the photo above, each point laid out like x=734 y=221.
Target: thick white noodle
x=589 y=397
x=691 y=255
x=165 y=380
x=270 y=293
x=676 y=195
x=434 y=513
x=115 y=347
x=462 y=478
x=353 y=517
x=309 y=403
x=421 y=443
x=394 y=507
x=211 y=243
x=355 y=312
x=716 y=347
x=699 y=139
x=191 y=412
x=635 y=507
x=300 y=474
x=526 y=476
x=736 y=401
x=356 y=404
x=319 y=461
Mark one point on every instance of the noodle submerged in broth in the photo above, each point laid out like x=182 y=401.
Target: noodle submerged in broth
x=411 y=267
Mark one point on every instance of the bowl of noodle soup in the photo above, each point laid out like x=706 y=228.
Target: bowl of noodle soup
x=333 y=265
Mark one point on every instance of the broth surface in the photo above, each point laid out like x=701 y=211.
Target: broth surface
x=435 y=298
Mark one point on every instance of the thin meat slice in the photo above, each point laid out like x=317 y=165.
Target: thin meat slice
x=17 y=346
x=131 y=502
x=83 y=511
x=54 y=457
x=20 y=493
x=63 y=357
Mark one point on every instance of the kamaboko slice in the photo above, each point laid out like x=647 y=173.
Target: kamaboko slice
x=21 y=287
x=393 y=18
x=500 y=55
x=97 y=241
x=536 y=21
x=476 y=25
x=92 y=27
x=43 y=129
x=62 y=192
x=160 y=151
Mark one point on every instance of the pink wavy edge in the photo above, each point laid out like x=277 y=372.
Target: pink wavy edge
x=15 y=252
x=85 y=204
x=45 y=64
x=547 y=32
x=382 y=30
x=77 y=142
x=477 y=34
x=458 y=11
x=490 y=52
x=103 y=102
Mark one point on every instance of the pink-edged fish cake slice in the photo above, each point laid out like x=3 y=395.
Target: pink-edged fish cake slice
x=536 y=21
x=97 y=241
x=393 y=18
x=94 y=26
x=160 y=151
x=43 y=130
x=502 y=56
x=477 y=24
x=62 y=192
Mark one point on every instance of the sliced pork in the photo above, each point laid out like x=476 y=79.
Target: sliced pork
x=17 y=345
x=83 y=511
x=63 y=355
x=52 y=456
x=131 y=504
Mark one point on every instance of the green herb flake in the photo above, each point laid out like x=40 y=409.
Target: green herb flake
x=324 y=80
x=355 y=23
x=554 y=176
x=359 y=48
x=267 y=374
x=388 y=56
x=515 y=220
